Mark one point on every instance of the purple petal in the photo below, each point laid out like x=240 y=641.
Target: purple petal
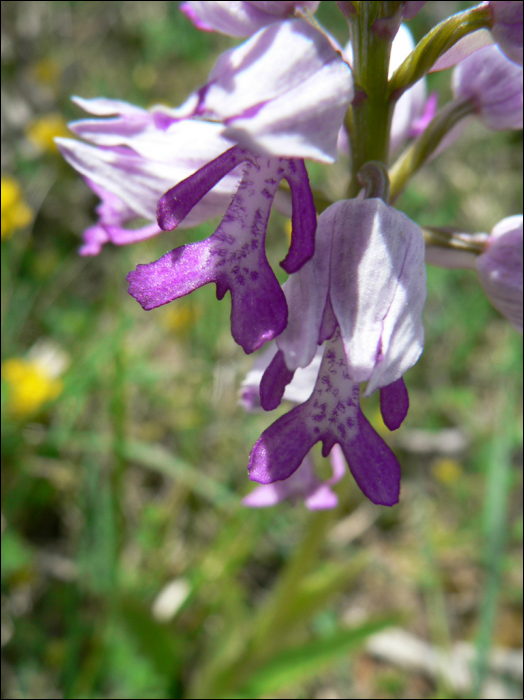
x=322 y=498
x=94 y=238
x=174 y=275
x=298 y=391
x=500 y=270
x=274 y=381
x=258 y=307
x=304 y=217
x=138 y=175
x=122 y=174
x=177 y=202
x=267 y=495
x=302 y=484
x=394 y=404
x=329 y=323
x=338 y=464
x=192 y=14
x=507 y=28
x=281 y=448
x=373 y=465
x=331 y=415
x=113 y=214
x=493 y=84
x=421 y=123
x=123 y=236
x=233 y=257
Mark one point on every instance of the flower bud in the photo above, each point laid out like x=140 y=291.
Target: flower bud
x=494 y=86
x=500 y=269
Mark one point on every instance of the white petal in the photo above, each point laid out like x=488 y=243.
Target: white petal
x=293 y=65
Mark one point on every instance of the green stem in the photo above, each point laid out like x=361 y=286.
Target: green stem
x=495 y=516
x=446 y=237
x=439 y=40
x=369 y=117
x=269 y=630
x=426 y=144
x=271 y=622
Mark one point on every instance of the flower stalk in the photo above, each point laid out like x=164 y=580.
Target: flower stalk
x=435 y=44
x=368 y=119
x=427 y=143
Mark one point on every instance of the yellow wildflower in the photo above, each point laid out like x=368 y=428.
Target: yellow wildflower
x=29 y=386
x=16 y=213
x=42 y=131
x=33 y=380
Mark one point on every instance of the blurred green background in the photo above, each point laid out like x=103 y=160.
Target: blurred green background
x=130 y=569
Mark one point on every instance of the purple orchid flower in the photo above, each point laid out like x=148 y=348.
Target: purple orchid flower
x=493 y=84
x=363 y=291
x=500 y=269
x=367 y=276
x=288 y=103
x=136 y=156
x=234 y=256
x=499 y=266
x=332 y=415
x=241 y=18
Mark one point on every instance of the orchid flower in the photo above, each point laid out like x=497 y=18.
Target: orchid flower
x=289 y=120
x=499 y=266
x=136 y=156
x=234 y=256
x=493 y=85
x=348 y=320
x=363 y=291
